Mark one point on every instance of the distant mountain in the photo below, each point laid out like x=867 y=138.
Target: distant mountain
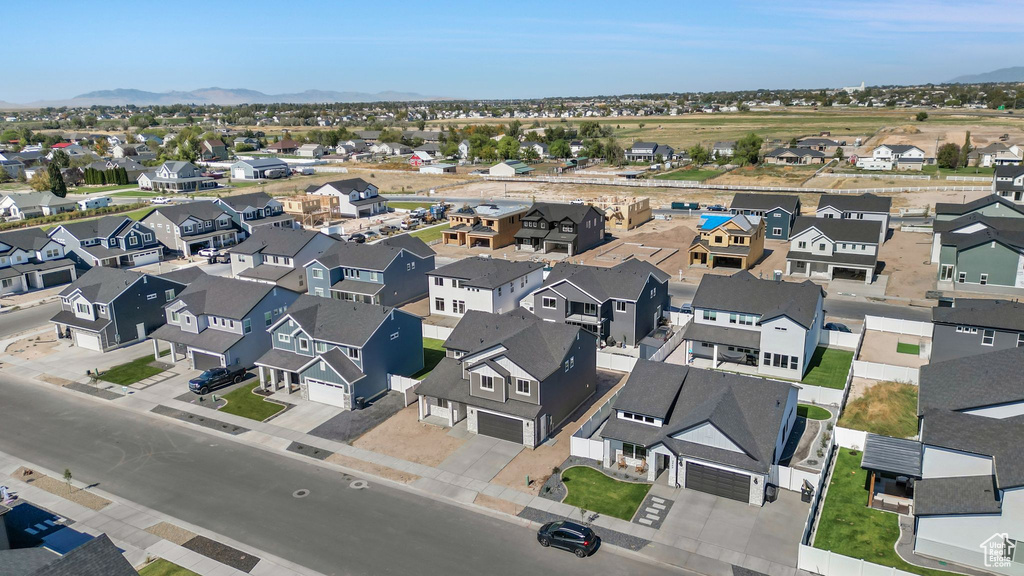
x=1013 y=74
x=226 y=96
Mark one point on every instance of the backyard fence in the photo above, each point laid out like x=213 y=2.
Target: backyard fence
x=849 y=438
x=897 y=326
x=819 y=394
x=793 y=479
x=969 y=178
x=331 y=169
x=436 y=332
x=670 y=345
x=831 y=564
x=836 y=339
x=875 y=176
x=407 y=386
x=888 y=372
x=581 y=444
x=616 y=362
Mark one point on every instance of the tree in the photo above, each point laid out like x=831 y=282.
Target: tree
x=67 y=478
x=60 y=158
x=948 y=156
x=101 y=146
x=613 y=153
x=699 y=155
x=839 y=155
x=515 y=128
x=560 y=149
x=57 y=185
x=508 y=147
x=922 y=116
x=793 y=142
x=748 y=149
x=421 y=125
x=965 y=150
x=5 y=176
x=40 y=181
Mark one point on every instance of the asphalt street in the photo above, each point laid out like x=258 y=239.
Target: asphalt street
x=245 y=493
x=27 y=318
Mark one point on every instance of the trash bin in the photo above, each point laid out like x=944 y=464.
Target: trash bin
x=771 y=493
x=360 y=402
x=806 y=492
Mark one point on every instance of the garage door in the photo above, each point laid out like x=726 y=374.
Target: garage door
x=499 y=427
x=88 y=340
x=202 y=361
x=326 y=393
x=239 y=174
x=55 y=278
x=146 y=258
x=718 y=482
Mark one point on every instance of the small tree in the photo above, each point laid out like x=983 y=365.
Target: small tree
x=67 y=478
x=40 y=181
x=748 y=149
x=560 y=149
x=792 y=142
x=839 y=155
x=948 y=156
x=57 y=185
x=699 y=155
x=60 y=158
x=922 y=116
x=965 y=149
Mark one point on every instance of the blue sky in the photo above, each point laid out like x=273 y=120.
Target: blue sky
x=498 y=50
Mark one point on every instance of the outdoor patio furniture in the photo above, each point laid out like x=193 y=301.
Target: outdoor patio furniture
x=641 y=467
x=622 y=462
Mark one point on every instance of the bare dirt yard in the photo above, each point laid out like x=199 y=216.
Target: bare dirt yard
x=388 y=182
x=61 y=488
x=371 y=468
x=33 y=347
x=404 y=436
x=883 y=348
x=906 y=256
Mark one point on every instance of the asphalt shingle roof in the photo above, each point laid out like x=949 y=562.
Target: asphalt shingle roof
x=973 y=381
x=626 y=280
x=980 y=435
x=766 y=202
x=96 y=228
x=999 y=314
x=343 y=186
x=252 y=199
x=745 y=293
x=376 y=256
x=97 y=557
x=102 y=284
x=956 y=209
x=956 y=495
x=487 y=273
x=29 y=239
x=552 y=212
x=178 y=213
x=338 y=321
x=860 y=203
x=841 y=229
x=225 y=297
x=276 y=241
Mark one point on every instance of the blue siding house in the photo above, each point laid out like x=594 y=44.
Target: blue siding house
x=778 y=210
x=391 y=272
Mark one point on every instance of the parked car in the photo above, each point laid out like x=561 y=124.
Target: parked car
x=570 y=536
x=418 y=212
x=209 y=252
x=358 y=238
x=837 y=327
x=215 y=378
x=388 y=230
x=219 y=259
x=371 y=235
x=410 y=224
x=716 y=208
x=161 y=200
x=687 y=309
x=577 y=201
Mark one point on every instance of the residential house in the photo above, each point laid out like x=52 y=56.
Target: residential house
x=286 y=146
x=861 y=207
x=483 y=284
x=29 y=260
x=713 y=432
x=93 y=556
x=996 y=154
x=213 y=150
x=357 y=198
x=191 y=226
x=833 y=248
x=464 y=149
x=576 y=146
x=902 y=156
x=976 y=326
x=358 y=145
x=779 y=211
x=130 y=164
x=771 y=324
x=510 y=168
x=1008 y=183
x=391 y=272
x=827 y=146
x=566 y=228
x=622 y=304
x=221 y=322
x=723 y=149
x=538 y=148
x=22 y=205
x=259 y=169
x=484 y=226
x=277 y=255
x=979 y=243
x=109 y=241
x=511 y=376
x=368 y=136
x=624 y=213
x=794 y=156
x=310 y=151
x=648 y=152
x=341 y=353
x=178 y=177
x=735 y=241
x=12 y=167
x=254 y=210
x=243 y=141
x=391 y=149
x=969 y=503
x=312 y=210
x=438 y=169
x=428 y=136
x=106 y=308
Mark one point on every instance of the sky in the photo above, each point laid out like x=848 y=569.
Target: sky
x=494 y=50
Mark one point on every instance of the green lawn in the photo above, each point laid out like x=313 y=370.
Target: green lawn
x=409 y=205
x=848 y=527
x=812 y=412
x=131 y=372
x=933 y=169
x=135 y=194
x=430 y=234
x=887 y=408
x=593 y=490
x=829 y=367
x=95 y=189
x=242 y=402
x=904 y=348
x=433 y=352
x=140 y=213
x=162 y=567
x=244 y=183
x=697 y=175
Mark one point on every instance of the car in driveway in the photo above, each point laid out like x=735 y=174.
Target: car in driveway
x=837 y=327
x=357 y=238
x=215 y=378
x=576 y=538
x=687 y=309
x=370 y=235
x=388 y=230
x=161 y=200
x=209 y=252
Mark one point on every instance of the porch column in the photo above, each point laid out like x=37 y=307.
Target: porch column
x=714 y=357
x=451 y=414
x=421 y=405
x=57 y=329
x=789 y=267
x=288 y=381
x=263 y=384
x=273 y=379
x=673 y=471
x=868 y=276
x=156 y=348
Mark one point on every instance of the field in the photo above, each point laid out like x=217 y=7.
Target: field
x=696 y=175
x=387 y=182
x=886 y=408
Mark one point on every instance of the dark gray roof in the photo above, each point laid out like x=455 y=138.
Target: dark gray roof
x=980 y=435
x=186 y=275
x=487 y=273
x=276 y=241
x=283 y=360
x=895 y=455
x=722 y=335
x=259 y=163
x=997 y=223
x=96 y=228
x=900 y=148
x=338 y=321
x=817 y=142
x=767 y=202
x=178 y=213
x=102 y=284
x=342 y=364
x=652 y=389
x=956 y=495
x=446 y=381
x=969 y=382
x=267 y=272
x=411 y=243
x=743 y=292
x=625 y=280
x=26 y=200
x=1003 y=172
x=795 y=152
x=97 y=557
x=225 y=297
x=552 y=212
x=377 y=256
x=29 y=239
x=344 y=186
x=252 y=199
x=841 y=229
x=956 y=209
x=859 y=203
x=998 y=314
x=1013 y=239
x=25 y=561
x=209 y=339
x=838 y=258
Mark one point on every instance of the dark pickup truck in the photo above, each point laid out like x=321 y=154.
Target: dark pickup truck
x=216 y=378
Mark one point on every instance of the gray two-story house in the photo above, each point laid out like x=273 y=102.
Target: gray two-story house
x=565 y=228
x=29 y=260
x=512 y=376
x=341 y=353
x=111 y=241
x=976 y=326
x=779 y=211
x=191 y=226
x=221 y=322
x=391 y=272
x=620 y=304
x=106 y=308
x=256 y=209
x=277 y=255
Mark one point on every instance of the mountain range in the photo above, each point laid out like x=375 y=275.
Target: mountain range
x=225 y=96
x=1012 y=74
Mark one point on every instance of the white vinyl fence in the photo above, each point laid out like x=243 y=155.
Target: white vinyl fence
x=836 y=339
x=909 y=327
x=669 y=346
x=407 y=386
x=848 y=438
x=793 y=479
x=831 y=564
x=581 y=443
x=886 y=372
x=436 y=332
x=616 y=362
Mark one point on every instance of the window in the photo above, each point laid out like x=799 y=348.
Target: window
x=821 y=246
x=133 y=240
x=572 y=361
x=590 y=309
x=984 y=279
x=318 y=273
x=793 y=361
x=961 y=277
x=246 y=326
x=320 y=347
x=781 y=328
x=548 y=303
x=711 y=315
x=620 y=305
x=439 y=304
x=7 y=282
x=499 y=290
x=318 y=291
x=486 y=382
x=394 y=336
x=303 y=344
x=633 y=451
x=637 y=417
x=767 y=359
x=83 y=308
x=988 y=337
x=175 y=317
x=282 y=337
x=147 y=237
x=459 y=306
x=776 y=231
x=566 y=366
x=522 y=386
x=1020 y=340
x=732 y=318
x=169 y=294
x=801 y=245
x=101 y=308
x=353 y=353
x=268 y=318
x=438 y=281
x=188 y=320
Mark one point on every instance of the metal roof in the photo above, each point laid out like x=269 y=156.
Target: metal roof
x=895 y=455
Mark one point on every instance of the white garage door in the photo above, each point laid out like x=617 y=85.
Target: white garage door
x=326 y=393
x=146 y=258
x=88 y=340
x=239 y=173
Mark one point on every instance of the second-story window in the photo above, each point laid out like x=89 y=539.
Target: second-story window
x=620 y=305
x=83 y=308
x=318 y=273
x=522 y=386
x=710 y=315
x=487 y=382
x=303 y=344
x=549 y=303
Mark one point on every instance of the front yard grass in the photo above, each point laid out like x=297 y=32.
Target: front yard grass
x=140 y=213
x=812 y=412
x=848 y=527
x=593 y=490
x=904 y=348
x=242 y=402
x=431 y=234
x=161 y=567
x=433 y=352
x=696 y=175
x=887 y=408
x=131 y=372
x=829 y=368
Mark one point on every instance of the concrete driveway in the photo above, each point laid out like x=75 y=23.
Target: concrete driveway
x=481 y=457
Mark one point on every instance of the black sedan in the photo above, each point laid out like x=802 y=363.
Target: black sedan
x=837 y=327
x=570 y=536
x=357 y=238
x=215 y=378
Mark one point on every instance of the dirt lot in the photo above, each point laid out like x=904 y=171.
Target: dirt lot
x=880 y=347
x=371 y=468
x=61 y=488
x=33 y=347
x=906 y=256
x=859 y=386
x=404 y=436
x=389 y=182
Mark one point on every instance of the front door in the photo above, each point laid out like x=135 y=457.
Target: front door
x=141 y=329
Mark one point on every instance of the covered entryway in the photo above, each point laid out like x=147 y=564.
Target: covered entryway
x=328 y=393
x=498 y=426
x=718 y=482
x=204 y=361
x=88 y=340
x=56 y=277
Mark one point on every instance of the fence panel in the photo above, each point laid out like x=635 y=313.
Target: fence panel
x=898 y=326
x=819 y=395
x=848 y=438
x=835 y=339
x=877 y=371
x=586 y=448
x=436 y=332
x=617 y=362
